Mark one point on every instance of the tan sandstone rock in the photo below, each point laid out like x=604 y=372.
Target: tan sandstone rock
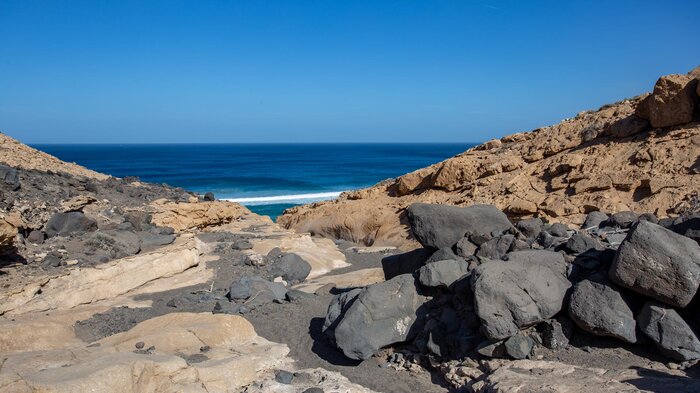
x=7 y=233
x=608 y=160
x=673 y=101
x=183 y=216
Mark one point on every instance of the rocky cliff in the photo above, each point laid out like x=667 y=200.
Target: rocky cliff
x=640 y=154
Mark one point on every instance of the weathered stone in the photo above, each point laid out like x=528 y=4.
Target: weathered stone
x=558 y=229
x=8 y=232
x=65 y=224
x=465 y=248
x=336 y=310
x=440 y=226
x=291 y=267
x=497 y=247
x=627 y=127
x=383 y=314
x=531 y=228
x=519 y=293
x=601 y=309
x=659 y=263
x=443 y=273
x=623 y=219
x=673 y=101
x=671 y=334
x=519 y=347
x=581 y=242
x=555 y=333
x=594 y=219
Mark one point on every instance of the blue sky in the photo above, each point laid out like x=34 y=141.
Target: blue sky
x=325 y=71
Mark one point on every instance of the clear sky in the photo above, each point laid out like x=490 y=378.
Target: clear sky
x=326 y=71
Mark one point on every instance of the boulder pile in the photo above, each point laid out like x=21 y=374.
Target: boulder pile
x=482 y=287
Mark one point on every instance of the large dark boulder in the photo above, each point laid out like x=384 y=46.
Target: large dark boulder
x=65 y=224
x=658 y=263
x=440 y=226
x=442 y=274
x=291 y=267
x=336 y=310
x=671 y=334
x=529 y=288
x=383 y=314
x=599 y=308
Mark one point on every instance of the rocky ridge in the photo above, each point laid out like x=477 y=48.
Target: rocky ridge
x=640 y=154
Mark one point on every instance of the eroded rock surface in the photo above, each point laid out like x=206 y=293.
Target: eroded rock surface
x=608 y=160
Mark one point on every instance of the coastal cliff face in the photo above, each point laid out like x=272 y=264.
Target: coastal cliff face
x=640 y=154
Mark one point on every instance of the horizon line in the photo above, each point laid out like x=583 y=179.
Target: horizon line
x=242 y=143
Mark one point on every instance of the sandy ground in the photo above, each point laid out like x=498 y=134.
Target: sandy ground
x=296 y=324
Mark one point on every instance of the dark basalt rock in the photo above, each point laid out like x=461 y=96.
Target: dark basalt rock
x=65 y=224
x=658 y=263
x=439 y=226
x=671 y=334
x=527 y=289
x=600 y=308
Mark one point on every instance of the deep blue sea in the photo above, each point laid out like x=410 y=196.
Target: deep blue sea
x=267 y=178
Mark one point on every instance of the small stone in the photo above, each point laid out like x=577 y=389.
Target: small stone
x=284 y=377
x=558 y=229
x=204 y=348
x=139 y=345
x=313 y=390
x=209 y=197
x=519 y=347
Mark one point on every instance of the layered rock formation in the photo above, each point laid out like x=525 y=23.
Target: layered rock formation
x=640 y=154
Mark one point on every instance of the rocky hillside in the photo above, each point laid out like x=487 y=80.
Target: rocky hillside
x=640 y=154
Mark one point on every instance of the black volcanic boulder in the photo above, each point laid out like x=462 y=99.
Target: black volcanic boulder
x=440 y=226
x=669 y=331
x=528 y=288
x=658 y=263
x=599 y=308
x=382 y=314
x=291 y=267
x=336 y=310
x=443 y=273
x=64 y=224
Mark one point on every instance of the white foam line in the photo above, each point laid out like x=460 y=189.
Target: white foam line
x=285 y=198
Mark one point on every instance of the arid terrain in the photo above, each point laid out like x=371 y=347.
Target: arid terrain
x=565 y=259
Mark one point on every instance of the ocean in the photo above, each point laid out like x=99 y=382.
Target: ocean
x=267 y=178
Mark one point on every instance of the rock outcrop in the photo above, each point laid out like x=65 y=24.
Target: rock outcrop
x=7 y=234
x=639 y=154
x=183 y=216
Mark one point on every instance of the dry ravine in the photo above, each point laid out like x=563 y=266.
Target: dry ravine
x=561 y=260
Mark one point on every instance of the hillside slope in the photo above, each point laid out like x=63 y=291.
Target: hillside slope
x=640 y=154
